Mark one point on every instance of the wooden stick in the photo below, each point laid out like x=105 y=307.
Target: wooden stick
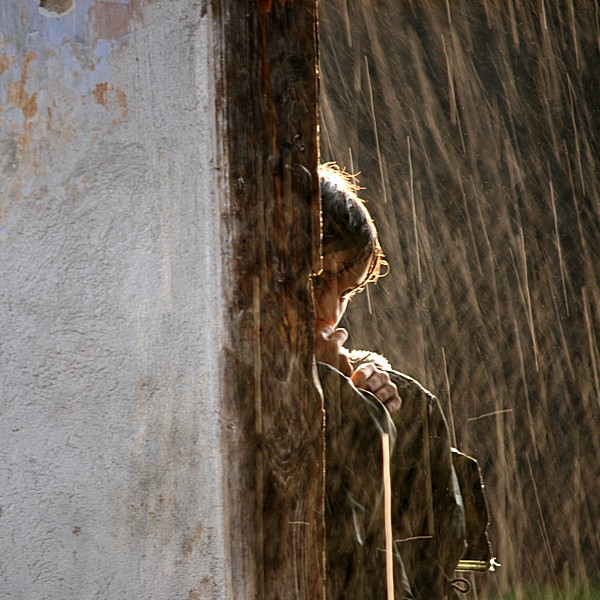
x=387 y=516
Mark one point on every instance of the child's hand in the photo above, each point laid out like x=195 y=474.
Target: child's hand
x=369 y=377
x=328 y=348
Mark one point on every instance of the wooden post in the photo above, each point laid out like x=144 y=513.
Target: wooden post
x=274 y=412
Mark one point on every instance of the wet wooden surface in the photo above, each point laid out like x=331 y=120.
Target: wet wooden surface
x=274 y=413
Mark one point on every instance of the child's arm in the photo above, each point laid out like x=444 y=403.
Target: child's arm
x=328 y=348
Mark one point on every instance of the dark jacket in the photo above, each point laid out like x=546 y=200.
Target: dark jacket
x=431 y=529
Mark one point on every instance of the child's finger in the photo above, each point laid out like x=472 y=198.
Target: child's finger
x=369 y=377
x=393 y=404
x=344 y=365
x=339 y=336
x=362 y=374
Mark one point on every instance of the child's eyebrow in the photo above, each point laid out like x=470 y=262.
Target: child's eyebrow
x=343 y=268
x=329 y=273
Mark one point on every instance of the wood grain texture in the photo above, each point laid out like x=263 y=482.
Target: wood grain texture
x=274 y=412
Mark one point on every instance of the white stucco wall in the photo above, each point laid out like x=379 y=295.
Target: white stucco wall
x=110 y=312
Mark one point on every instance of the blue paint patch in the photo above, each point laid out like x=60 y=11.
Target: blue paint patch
x=56 y=29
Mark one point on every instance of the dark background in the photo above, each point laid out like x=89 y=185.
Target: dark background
x=474 y=127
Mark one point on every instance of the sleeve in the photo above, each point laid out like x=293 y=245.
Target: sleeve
x=429 y=514
x=354 y=520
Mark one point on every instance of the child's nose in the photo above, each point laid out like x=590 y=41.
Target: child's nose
x=330 y=307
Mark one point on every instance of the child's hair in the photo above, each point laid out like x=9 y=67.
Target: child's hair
x=347 y=224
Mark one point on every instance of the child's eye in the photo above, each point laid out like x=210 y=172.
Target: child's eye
x=323 y=278
x=317 y=281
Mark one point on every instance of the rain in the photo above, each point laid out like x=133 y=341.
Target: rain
x=474 y=129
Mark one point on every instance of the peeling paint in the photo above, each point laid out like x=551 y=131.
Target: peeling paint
x=111 y=20
x=8 y=155
x=56 y=8
x=18 y=96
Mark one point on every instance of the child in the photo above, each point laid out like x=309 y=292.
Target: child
x=363 y=398
x=352 y=258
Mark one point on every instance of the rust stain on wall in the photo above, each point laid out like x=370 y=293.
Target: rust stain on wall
x=28 y=151
x=101 y=93
x=112 y=99
x=3 y=63
x=188 y=541
x=208 y=588
x=17 y=95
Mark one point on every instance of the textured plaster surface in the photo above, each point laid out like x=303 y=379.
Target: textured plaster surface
x=110 y=315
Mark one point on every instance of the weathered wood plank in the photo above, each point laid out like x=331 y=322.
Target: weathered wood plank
x=275 y=435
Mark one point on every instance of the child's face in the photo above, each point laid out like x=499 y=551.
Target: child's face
x=333 y=287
